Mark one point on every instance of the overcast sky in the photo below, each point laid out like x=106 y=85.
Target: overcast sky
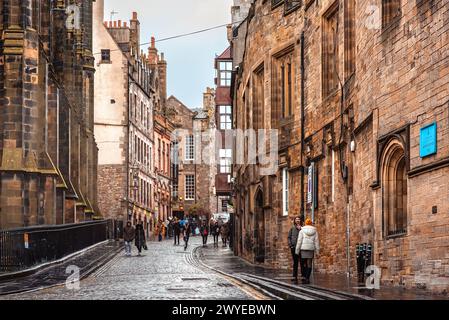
x=190 y=59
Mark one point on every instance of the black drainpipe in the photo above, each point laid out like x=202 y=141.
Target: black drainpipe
x=303 y=213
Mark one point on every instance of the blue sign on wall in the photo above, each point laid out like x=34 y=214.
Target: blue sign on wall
x=428 y=140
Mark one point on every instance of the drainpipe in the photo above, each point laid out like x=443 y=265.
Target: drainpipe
x=303 y=213
x=127 y=192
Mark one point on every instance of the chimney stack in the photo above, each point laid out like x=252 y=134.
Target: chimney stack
x=152 y=53
x=134 y=40
x=162 y=69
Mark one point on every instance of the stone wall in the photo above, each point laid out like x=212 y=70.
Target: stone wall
x=46 y=92
x=394 y=79
x=111 y=201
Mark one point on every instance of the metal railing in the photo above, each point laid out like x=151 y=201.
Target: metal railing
x=27 y=247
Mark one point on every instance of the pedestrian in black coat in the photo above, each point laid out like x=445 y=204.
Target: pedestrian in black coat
x=176 y=231
x=140 y=240
x=204 y=231
x=292 y=240
x=187 y=232
x=216 y=233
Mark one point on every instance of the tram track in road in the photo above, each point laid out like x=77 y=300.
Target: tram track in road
x=274 y=289
x=249 y=288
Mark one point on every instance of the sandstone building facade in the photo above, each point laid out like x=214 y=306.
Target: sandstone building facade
x=129 y=96
x=48 y=153
x=360 y=103
x=193 y=143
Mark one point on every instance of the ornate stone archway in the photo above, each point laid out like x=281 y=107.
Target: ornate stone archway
x=394 y=189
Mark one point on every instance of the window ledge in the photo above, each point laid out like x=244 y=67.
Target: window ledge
x=291 y=10
x=395 y=236
x=274 y=6
x=391 y=24
x=283 y=122
x=331 y=94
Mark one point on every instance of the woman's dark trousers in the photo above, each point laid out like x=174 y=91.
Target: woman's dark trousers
x=295 y=263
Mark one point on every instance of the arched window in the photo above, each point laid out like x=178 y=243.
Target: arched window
x=394 y=189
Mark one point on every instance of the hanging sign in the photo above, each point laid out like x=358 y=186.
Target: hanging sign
x=428 y=140
x=310 y=184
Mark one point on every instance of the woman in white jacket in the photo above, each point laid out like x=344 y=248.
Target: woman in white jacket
x=307 y=245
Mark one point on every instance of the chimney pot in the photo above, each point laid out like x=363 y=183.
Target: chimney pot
x=115 y=24
x=153 y=42
x=125 y=24
x=134 y=15
x=120 y=23
x=110 y=24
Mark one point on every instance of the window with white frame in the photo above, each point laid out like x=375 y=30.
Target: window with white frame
x=190 y=148
x=225 y=69
x=190 y=187
x=225 y=117
x=285 y=183
x=225 y=160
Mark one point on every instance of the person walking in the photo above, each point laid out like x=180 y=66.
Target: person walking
x=292 y=241
x=129 y=234
x=170 y=228
x=187 y=232
x=224 y=234
x=176 y=231
x=204 y=232
x=160 y=230
x=140 y=240
x=216 y=233
x=307 y=246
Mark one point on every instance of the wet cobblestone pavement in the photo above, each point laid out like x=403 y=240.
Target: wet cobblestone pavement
x=56 y=273
x=161 y=273
x=223 y=259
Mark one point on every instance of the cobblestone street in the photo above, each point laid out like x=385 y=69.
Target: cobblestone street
x=161 y=273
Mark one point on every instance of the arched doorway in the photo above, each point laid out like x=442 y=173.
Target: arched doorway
x=259 y=228
x=394 y=190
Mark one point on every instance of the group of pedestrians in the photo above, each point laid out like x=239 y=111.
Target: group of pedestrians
x=216 y=229
x=302 y=240
x=137 y=235
x=304 y=244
